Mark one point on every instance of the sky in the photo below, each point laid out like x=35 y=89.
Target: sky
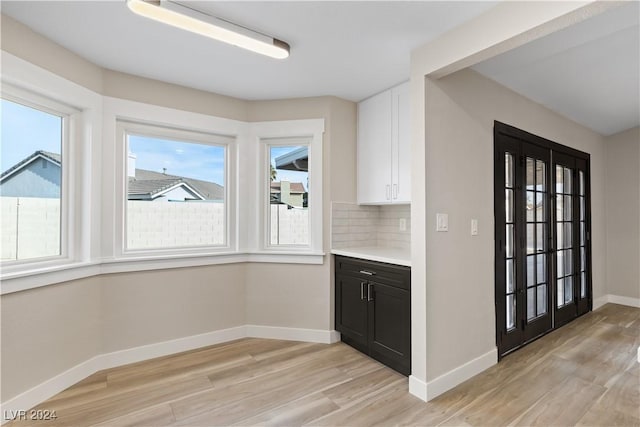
x=187 y=159
x=25 y=130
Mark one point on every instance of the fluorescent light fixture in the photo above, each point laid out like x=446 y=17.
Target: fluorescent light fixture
x=183 y=17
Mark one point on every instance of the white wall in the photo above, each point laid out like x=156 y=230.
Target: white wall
x=460 y=111
x=622 y=203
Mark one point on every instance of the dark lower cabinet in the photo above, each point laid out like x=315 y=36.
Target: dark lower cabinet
x=373 y=310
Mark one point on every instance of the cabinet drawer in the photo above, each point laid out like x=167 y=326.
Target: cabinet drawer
x=389 y=274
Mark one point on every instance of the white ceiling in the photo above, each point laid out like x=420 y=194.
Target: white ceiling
x=347 y=49
x=588 y=72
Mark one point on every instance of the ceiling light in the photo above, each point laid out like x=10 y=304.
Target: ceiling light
x=183 y=17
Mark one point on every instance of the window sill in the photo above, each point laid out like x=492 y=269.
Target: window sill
x=51 y=275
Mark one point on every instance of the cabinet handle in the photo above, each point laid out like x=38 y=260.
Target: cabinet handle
x=362 y=291
x=369 y=292
x=387 y=192
x=368 y=273
x=395 y=191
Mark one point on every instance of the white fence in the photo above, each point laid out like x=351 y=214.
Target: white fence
x=289 y=226
x=31 y=226
x=174 y=224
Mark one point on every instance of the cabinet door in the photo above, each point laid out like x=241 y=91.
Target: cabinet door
x=390 y=326
x=374 y=149
x=351 y=310
x=401 y=145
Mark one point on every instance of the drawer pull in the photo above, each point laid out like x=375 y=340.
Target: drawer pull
x=368 y=273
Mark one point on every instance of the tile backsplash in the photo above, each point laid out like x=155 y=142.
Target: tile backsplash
x=355 y=225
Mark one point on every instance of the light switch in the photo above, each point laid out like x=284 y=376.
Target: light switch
x=403 y=224
x=474 y=227
x=442 y=222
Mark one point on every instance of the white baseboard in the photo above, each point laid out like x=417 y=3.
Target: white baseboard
x=600 y=301
x=615 y=299
x=418 y=388
x=165 y=348
x=430 y=390
x=50 y=387
x=292 y=334
x=43 y=391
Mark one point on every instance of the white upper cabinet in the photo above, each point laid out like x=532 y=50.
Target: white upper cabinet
x=384 y=157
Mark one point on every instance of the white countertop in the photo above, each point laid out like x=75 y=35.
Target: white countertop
x=377 y=253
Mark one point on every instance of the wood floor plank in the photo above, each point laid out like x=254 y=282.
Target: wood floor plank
x=584 y=374
x=293 y=413
x=565 y=404
x=155 y=416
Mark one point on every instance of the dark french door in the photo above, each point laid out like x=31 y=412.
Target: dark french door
x=542 y=233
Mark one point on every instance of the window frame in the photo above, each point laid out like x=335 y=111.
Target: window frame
x=68 y=171
x=266 y=201
x=124 y=128
x=288 y=133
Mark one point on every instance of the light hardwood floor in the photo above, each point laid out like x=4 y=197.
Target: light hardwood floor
x=585 y=373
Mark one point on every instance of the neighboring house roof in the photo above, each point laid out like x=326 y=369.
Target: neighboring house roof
x=296 y=187
x=146 y=183
x=40 y=154
x=153 y=184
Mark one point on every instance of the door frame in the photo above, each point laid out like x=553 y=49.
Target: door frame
x=502 y=133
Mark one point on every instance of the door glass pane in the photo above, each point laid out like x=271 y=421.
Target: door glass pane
x=559 y=208
x=509 y=241
x=568 y=241
x=531 y=265
x=542 y=269
x=583 y=285
x=541 y=184
x=559 y=236
x=568 y=290
x=540 y=207
x=531 y=303
x=568 y=265
x=567 y=181
x=531 y=184
x=511 y=311
x=560 y=291
x=531 y=236
x=582 y=233
x=508 y=205
x=567 y=208
x=508 y=170
x=510 y=276
x=560 y=264
x=581 y=208
x=559 y=179
x=542 y=300
x=582 y=259
x=540 y=238
x=531 y=216
x=581 y=177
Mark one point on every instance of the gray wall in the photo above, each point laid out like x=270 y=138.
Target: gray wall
x=119 y=311
x=623 y=213
x=460 y=111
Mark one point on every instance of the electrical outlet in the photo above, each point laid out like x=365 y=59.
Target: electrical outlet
x=403 y=224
